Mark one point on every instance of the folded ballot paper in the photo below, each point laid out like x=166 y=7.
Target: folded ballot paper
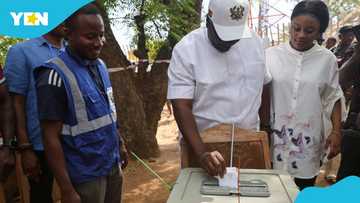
x=230 y=179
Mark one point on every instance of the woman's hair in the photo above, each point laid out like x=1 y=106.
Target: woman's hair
x=314 y=8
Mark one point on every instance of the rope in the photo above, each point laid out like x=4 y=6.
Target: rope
x=147 y=167
x=133 y=66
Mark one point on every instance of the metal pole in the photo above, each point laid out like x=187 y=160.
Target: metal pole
x=232 y=145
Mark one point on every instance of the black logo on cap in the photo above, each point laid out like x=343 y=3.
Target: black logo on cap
x=237 y=12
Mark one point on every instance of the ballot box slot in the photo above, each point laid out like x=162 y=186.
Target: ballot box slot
x=247 y=188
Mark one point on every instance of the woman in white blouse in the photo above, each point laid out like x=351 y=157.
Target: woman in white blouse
x=305 y=96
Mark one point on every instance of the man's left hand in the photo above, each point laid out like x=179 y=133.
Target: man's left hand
x=124 y=156
x=334 y=142
x=7 y=163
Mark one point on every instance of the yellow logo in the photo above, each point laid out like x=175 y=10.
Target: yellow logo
x=30 y=18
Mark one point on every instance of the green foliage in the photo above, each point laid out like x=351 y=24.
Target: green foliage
x=184 y=18
x=5 y=44
x=108 y=4
x=153 y=46
x=163 y=19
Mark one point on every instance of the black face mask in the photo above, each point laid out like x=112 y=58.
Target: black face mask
x=220 y=45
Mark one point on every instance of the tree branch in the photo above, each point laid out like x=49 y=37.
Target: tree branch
x=157 y=28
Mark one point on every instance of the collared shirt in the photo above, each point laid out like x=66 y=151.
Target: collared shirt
x=22 y=58
x=305 y=87
x=225 y=87
x=2 y=78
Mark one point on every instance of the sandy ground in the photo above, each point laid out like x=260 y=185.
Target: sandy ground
x=141 y=186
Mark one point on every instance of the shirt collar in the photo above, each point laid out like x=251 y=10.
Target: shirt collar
x=81 y=61
x=40 y=41
x=302 y=53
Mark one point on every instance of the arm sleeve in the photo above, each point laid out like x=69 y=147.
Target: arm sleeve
x=51 y=95
x=330 y=96
x=333 y=91
x=181 y=83
x=17 y=72
x=268 y=76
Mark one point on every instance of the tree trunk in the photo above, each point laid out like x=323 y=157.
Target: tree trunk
x=129 y=105
x=199 y=7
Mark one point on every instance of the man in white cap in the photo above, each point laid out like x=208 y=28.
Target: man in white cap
x=216 y=76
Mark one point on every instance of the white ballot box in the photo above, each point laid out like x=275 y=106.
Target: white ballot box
x=189 y=187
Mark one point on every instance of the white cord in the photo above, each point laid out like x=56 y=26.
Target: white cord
x=133 y=66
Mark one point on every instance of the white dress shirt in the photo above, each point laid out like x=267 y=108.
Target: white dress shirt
x=225 y=87
x=305 y=87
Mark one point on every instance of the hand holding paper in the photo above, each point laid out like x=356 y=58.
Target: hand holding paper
x=230 y=179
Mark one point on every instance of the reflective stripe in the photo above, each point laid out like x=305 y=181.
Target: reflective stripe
x=83 y=125
x=50 y=77
x=88 y=126
x=79 y=103
x=54 y=82
x=59 y=83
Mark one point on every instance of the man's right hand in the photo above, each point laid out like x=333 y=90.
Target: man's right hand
x=30 y=164
x=213 y=163
x=70 y=197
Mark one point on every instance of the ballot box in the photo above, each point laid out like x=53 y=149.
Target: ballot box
x=250 y=148
x=190 y=183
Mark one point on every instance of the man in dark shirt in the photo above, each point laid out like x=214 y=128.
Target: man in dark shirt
x=350 y=150
x=344 y=50
x=78 y=115
x=21 y=60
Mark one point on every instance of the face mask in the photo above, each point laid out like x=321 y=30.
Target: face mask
x=220 y=45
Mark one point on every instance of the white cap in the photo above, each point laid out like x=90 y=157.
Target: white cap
x=230 y=18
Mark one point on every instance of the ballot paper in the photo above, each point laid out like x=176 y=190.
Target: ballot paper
x=230 y=179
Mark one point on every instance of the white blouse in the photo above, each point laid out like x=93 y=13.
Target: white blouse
x=305 y=87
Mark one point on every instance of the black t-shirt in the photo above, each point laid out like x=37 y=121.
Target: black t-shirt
x=51 y=93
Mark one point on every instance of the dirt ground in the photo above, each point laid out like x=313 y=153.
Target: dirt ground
x=141 y=186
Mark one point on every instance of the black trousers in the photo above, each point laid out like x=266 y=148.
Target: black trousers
x=304 y=183
x=40 y=192
x=350 y=154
